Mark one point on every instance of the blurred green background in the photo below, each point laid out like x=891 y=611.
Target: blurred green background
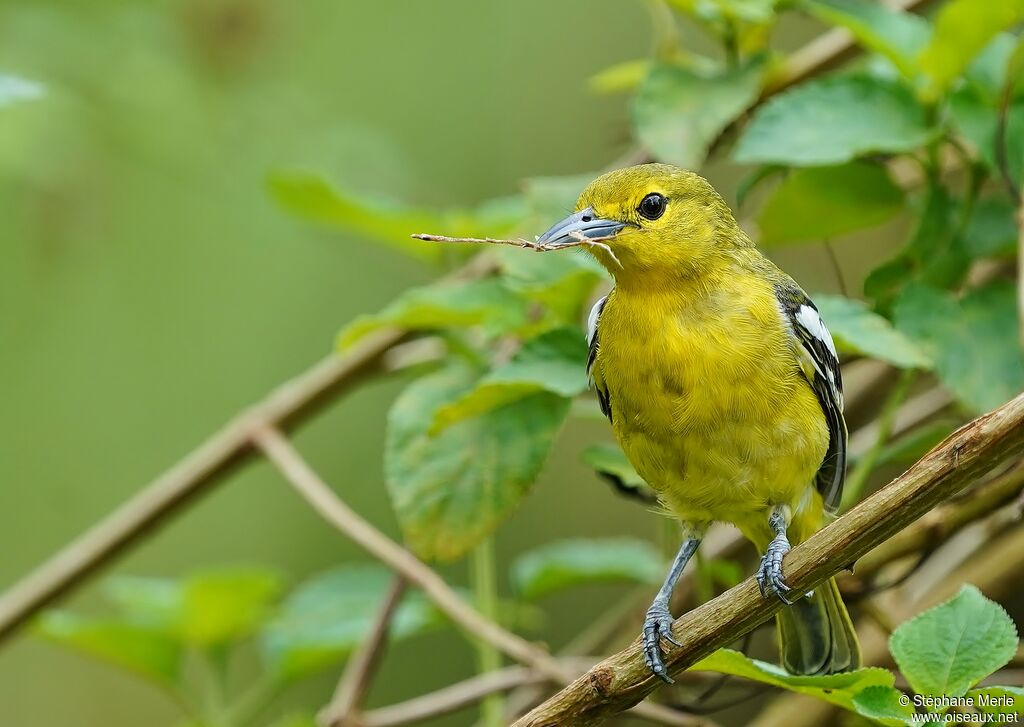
x=150 y=287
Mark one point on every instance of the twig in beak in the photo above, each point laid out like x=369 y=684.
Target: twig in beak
x=594 y=242
x=581 y=240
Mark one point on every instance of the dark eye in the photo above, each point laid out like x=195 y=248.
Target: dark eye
x=652 y=206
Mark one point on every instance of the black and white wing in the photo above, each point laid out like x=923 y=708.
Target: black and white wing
x=595 y=380
x=820 y=365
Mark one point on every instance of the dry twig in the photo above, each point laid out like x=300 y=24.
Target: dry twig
x=316 y=492
x=355 y=681
x=581 y=241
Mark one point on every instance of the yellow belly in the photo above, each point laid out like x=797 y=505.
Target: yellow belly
x=710 y=407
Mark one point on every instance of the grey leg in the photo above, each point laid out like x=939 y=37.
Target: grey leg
x=769 y=575
x=658 y=624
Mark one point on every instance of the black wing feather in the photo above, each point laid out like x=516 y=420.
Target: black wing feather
x=827 y=384
x=603 y=399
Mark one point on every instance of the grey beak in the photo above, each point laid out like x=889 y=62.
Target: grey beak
x=584 y=223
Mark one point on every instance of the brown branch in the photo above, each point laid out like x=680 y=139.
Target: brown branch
x=326 y=502
x=355 y=681
x=452 y=698
x=286 y=407
x=623 y=679
x=825 y=52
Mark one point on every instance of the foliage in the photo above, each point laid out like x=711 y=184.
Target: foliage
x=575 y=562
x=943 y=653
x=451 y=490
x=467 y=438
x=161 y=629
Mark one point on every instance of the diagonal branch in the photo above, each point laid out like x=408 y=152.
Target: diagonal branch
x=292 y=403
x=358 y=674
x=286 y=407
x=623 y=680
x=317 y=493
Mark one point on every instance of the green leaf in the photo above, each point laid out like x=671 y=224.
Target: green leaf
x=14 y=89
x=312 y=197
x=561 y=281
x=678 y=113
x=226 y=605
x=139 y=649
x=209 y=608
x=948 y=649
x=858 y=329
x=486 y=302
x=825 y=202
x=620 y=78
x=962 y=29
x=554 y=361
x=886 y=705
x=992 y=231
x=451 y=491
x=568 y=563
x=325 y=618
x=609 y=459
x=834 y=120
x=998 y=700
x=893 y=33
x=972 y=341
x=838 y=689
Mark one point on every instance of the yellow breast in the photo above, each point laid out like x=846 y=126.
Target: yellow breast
x=707 y=399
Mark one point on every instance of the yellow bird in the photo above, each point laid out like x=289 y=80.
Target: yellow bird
x=723 y=388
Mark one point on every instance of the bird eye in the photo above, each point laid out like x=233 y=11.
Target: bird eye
x=652 y=206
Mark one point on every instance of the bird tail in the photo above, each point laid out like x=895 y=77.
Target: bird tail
x=816 y=635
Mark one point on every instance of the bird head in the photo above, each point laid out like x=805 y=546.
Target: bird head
x=657 y=221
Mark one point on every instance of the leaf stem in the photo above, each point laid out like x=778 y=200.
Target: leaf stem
x=485 y=592
x=866 y=464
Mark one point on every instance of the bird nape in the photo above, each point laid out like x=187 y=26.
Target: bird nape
x=723 y=388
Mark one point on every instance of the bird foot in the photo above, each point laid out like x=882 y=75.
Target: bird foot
x=769 y=574
x=657 y=626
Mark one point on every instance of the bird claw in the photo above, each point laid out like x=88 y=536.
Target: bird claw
x=769 y=574
x=657 y=626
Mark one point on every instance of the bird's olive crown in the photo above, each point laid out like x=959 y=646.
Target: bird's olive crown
x=643 y=194
x=673 y=216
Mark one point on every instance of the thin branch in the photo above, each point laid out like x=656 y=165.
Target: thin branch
x=452 y=698
x=285 y=407
x=825 y=52
x=326 y=502
x=520 y=242
x=355 y=681
x=623 y=679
